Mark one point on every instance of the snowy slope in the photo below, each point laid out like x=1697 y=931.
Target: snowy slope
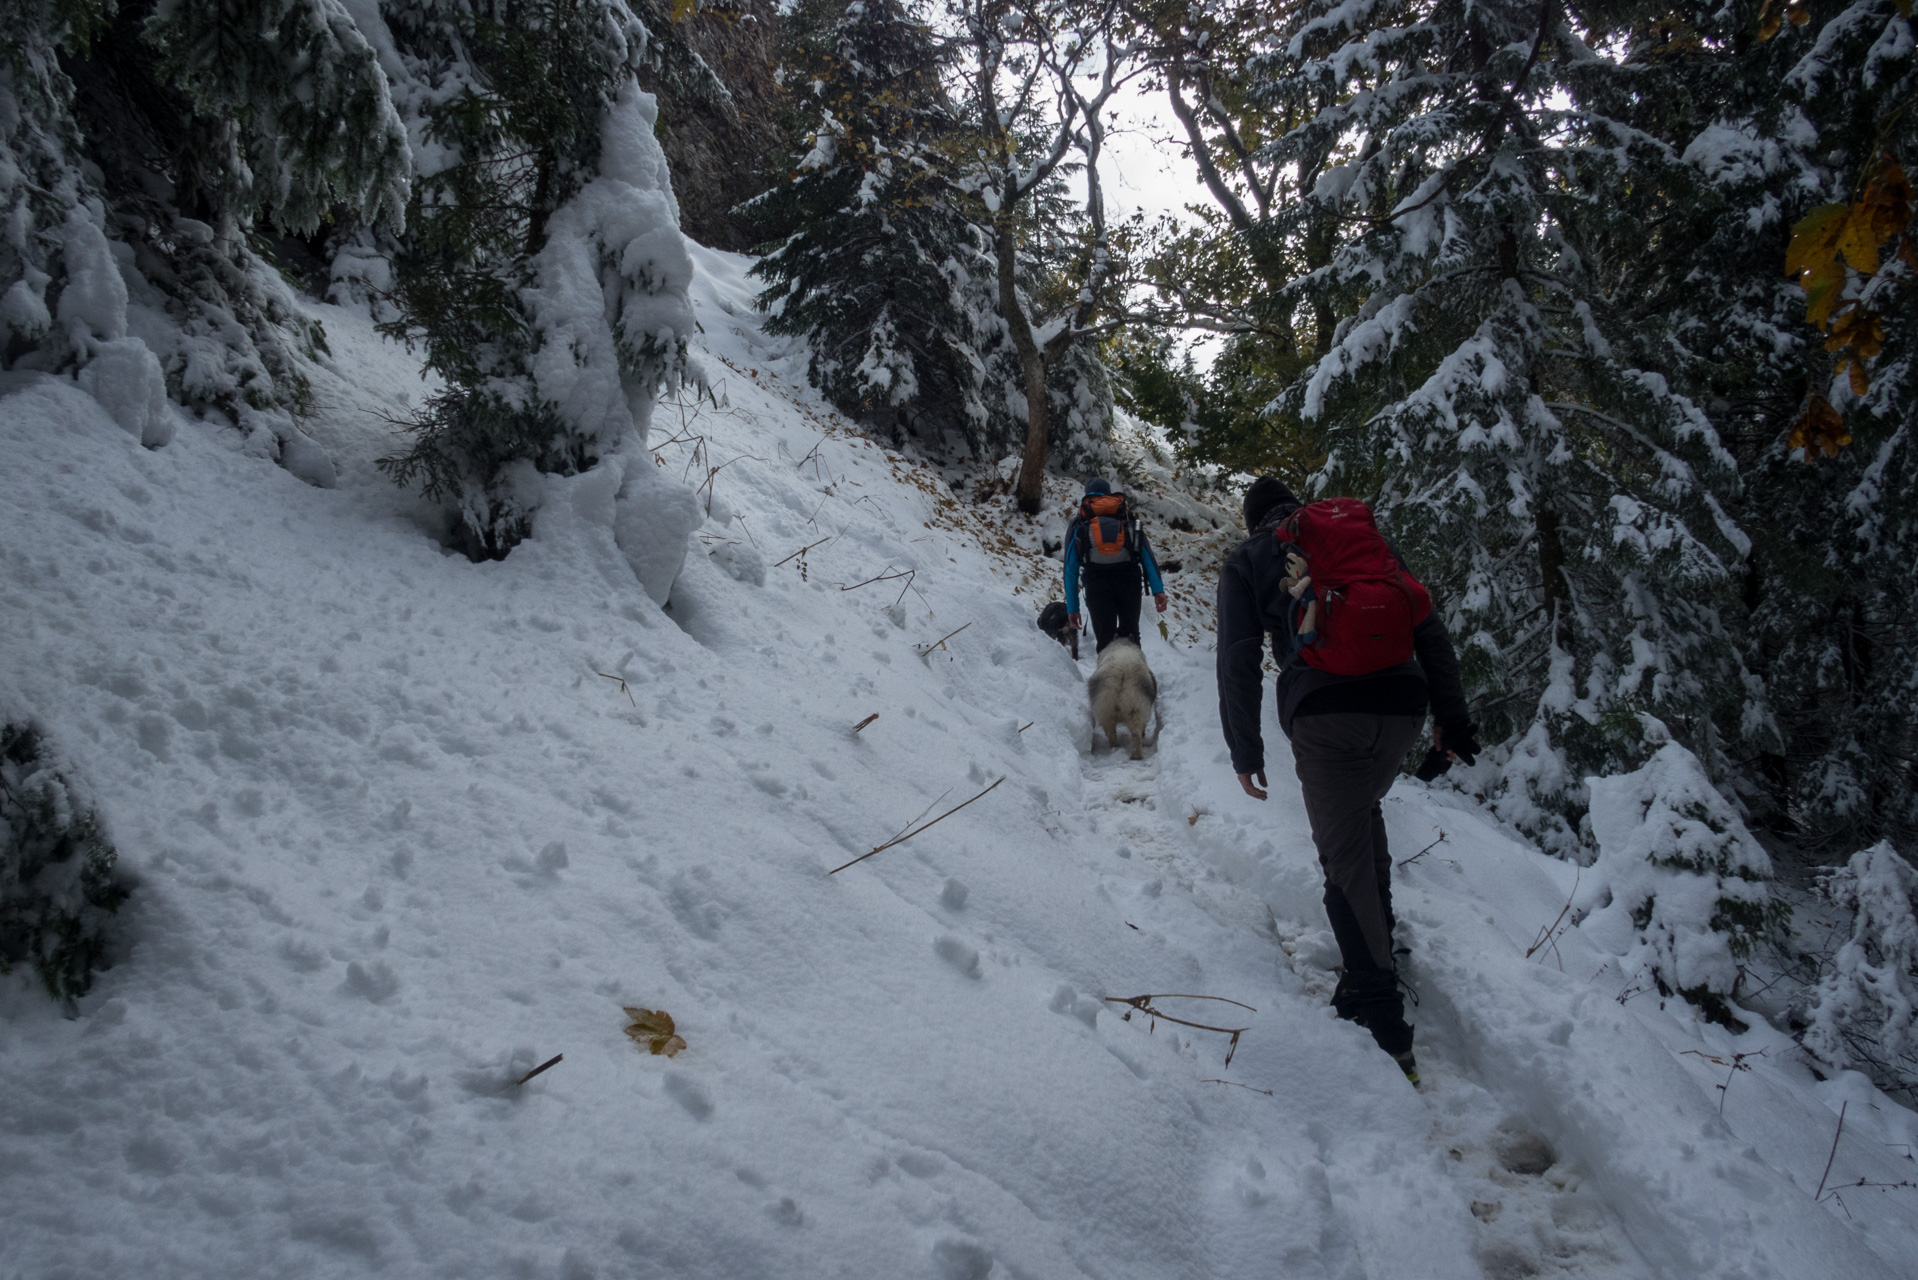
x=405 y=826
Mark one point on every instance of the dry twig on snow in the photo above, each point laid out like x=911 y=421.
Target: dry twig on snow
x=926 y=650
x=909 y=830
x=622 y=685
x=1143 y=1004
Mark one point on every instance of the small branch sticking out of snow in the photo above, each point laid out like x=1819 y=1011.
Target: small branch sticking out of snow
x=553 y=1061
x=1737 y=1064
x=801 y=555
x=863 y=723
x=891 y=575
x=1548 y=936
x=1427 y=849
x=1820 y=1194
x=925 y=651
x=909 y=831
x=1143 y=1004
x=1236 y=1085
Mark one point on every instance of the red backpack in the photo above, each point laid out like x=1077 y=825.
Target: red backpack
x=1368 y=603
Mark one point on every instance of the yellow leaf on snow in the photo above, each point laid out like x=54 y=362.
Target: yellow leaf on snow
x=653 y=1030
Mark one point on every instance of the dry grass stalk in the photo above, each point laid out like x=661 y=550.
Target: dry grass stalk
x=622 y=685
x=863 y=723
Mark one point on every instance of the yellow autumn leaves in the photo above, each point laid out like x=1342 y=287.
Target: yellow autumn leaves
x=1828 y=245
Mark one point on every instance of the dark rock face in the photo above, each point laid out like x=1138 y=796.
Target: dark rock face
x=721 y=149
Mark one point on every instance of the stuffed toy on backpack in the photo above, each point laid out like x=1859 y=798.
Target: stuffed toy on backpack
x=1366 y=602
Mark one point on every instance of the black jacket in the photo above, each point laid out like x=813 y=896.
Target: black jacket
x=1252 y=603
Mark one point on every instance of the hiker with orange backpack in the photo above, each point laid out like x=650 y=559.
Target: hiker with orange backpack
x=1361 y=653
x=1106 y=548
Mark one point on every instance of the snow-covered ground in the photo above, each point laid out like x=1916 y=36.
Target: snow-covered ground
x=405 y=826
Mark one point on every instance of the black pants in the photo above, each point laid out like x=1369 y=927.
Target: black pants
x=1346 y=762
x=1112 y=597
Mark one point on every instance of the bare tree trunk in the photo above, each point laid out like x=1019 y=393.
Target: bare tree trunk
x=1030 y=490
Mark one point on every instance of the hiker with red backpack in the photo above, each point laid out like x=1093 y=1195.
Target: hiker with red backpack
x=1361 y=653
x=1106 y=548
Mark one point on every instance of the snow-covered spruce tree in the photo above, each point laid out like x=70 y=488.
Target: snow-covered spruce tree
x=1863 y=1012
x=151 y=145
x=1680 y=891
x=1824 y=391
x=543 y=267
x=58 y=883
x=1566 y=503
x=869 y=253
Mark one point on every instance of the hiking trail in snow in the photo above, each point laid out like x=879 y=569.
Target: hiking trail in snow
x=403 y=827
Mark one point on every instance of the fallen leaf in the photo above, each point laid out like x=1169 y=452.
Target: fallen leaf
x=653 y=1029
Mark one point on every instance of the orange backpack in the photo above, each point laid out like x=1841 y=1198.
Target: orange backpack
x=1111 y=534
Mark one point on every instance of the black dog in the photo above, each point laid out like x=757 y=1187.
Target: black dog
x=1052 y=621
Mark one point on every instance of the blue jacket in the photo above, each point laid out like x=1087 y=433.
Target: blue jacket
x=1152 y=579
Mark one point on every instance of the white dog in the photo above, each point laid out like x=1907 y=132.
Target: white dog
x=1122 y=688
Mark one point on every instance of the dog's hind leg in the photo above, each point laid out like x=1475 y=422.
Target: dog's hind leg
x=1135 y=731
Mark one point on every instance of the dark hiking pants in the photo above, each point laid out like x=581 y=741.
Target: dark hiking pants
x=1113 y=594
x=1346 y=763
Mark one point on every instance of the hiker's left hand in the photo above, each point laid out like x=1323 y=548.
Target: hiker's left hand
x=1158 y=601
x=1256 y=792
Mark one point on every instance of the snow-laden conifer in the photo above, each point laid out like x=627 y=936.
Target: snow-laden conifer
x=542 y=268
x=872 y=258
x=1803 y=121
x=1680 y=891
x=1476 y=162
x=142 y=170
x=1863 y=1012
x=58 y=878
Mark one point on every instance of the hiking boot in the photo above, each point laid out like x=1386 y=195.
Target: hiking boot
x=1370 y=997
x=1409 y=1065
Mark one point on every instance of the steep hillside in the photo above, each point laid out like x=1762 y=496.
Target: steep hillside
x=404 y=827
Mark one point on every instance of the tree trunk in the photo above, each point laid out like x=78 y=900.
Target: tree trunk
x=1030 y=489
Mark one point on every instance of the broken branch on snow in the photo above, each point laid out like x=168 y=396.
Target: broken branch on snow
x=909 y=831
x=1143 y=1004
